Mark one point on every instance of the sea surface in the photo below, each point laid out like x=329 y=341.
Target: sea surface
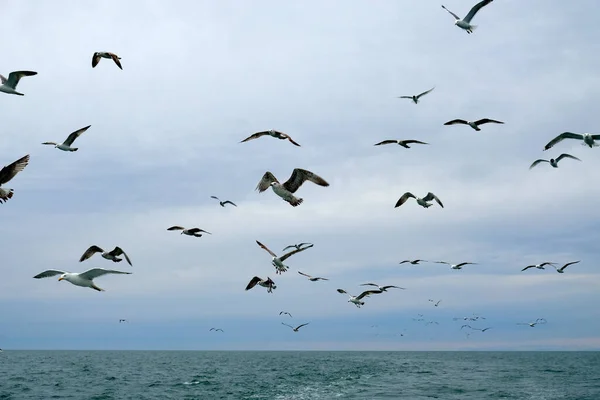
x=311 y=375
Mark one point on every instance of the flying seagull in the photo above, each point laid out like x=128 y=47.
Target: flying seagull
x=285 y=312
x=84 y=279
x=356 y=300
x=455 y=266
x=109 y=255
x=296 y=328
x=538 y=266
x=278 y=261
x=381 y=288
x=413 y=262
x=465 y=23
x=271 y=132
x=190 y=232
x=588 y=139
x=216 y=329
x=222 y=203
x=416 y=98
x=436 y=303
x=285 y=190
x=296 y=246
x=105 y=54
x=561 y=270
x=10 y=85
x=423 y=202
x=554 y=162
x=313 y=278
x=539 y=321
x=473 y=124
x=122 y=320
x=403 y=143
x=66 y=145
x=9 y=172
x=267 y=283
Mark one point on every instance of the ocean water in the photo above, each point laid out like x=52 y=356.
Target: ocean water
x=161 y=375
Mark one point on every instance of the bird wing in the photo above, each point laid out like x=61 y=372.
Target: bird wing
x=95 y=60
x=457 y=121
x=388 y=141
x=368 y=284
x=117 y=251
x=342 y=291
x=265 y=182
x=424 y=93
x=430 y=196
x=487 y=120
x=527 y=267
x=196 y=230
x=289 y=247
x=300 y=326
x=567 y=264
x=292 y=140
x=392 y=286
x=93 y=249
x=266 y=248
x=442 y=262
x=14 y=77
x=283 y=323
x=454 y=15
x=9 y=171
x=465 y=263
x=405 y=97
x=116 y=60
x=96 y=272
x=403 y=199
x=536 y=162
x=51 y=143
x=214 y=197
x=3 y=79
x=302 y=273
x=49 y=272
x=546 y=263
x=565 y=155
x=299 y=176
x=291 y=253
x=253 y=282
x=176 y=228
x=474 y=10
x=368 y=293
x=229 y=202
x=596 y=137
x=255 y=136
x=409 y=141
x=71 y=138
x=564 y=135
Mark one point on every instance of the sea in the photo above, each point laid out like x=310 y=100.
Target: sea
x=310 y=375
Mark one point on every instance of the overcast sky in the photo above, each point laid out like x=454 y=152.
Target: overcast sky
x=199 y=76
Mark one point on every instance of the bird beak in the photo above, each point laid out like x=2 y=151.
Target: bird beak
x=60 y=279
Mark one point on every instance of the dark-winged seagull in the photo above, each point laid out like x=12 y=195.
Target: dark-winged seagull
x=296 y=246
x=278 y=261
x=538 y=266
x=109 y=255
x=465 y=23
x=285 y=312
x=561 y=270
x=66 y=145
x=473 y=124
x=296 y=328
x=423 y=202
x=413 y=262
x=7 y=173
x=105 y=54
x=216 y=329
x=190 y=232
x=10 y=85
x=83 y=279
x=539 y=321
x=266 y=283
x=313 y=278
x=286 y=190
x=416 y=98
x=222 y=203
x=272 y=133
x=403 y=143
x=455 y=266
x=554 y=162
x=587 y=138
x=356 y=300
x=382 y=288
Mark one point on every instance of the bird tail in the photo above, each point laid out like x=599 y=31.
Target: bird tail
x=296 y=201
x=75 y=149
x=97 y=288
x=473 y=27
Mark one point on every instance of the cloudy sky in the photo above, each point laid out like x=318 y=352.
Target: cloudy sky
x=199 y=76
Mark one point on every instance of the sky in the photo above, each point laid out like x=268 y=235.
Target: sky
x=200 y=76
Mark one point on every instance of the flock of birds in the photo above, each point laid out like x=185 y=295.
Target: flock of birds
x=286 y=191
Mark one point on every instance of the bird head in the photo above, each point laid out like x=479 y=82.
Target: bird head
x=273 y=183
x=62 y=277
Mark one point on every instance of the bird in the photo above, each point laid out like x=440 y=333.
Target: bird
x=554 y=162
x=413 y=262
x=109 y=255
x=122 y=320
x=423 y=202
x=356 y=300
x=465 y=23
x=588 y=139
x=296 y=328
x=313 y=278
x=105 y=54
x=83 y=279
x=473 y=124
x=222 y=203
x=190 y=232
x=296 y=246
x=66 y=145
x=10 y=85
x=270 y=132
x=485 y=329
x=267 y=283
x=382 y=288
x=7 y=173
x=533 y=324
x=455 y=266
x=561 y=270
x=277 y=262
x=538 y=266
x=285 y=312
x=285 y=190
x=436 y=303
x=216 y=329
x=416 y=98
x=403 y=143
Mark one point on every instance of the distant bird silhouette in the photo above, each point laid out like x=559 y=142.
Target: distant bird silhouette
x=222 y=203
x=296 y=328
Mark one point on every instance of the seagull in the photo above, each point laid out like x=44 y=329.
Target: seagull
x=216 y=329
x=554 y=162
x=403 y=143
x=10 y=85
x=381 y=288
x=455 y=266
x=473 y=124
x=271 y=132
x=588 y=139
x=299 y=176
x=268 y=283
x=436 y=304
x=296 y=328
x=416 y=98
x=109 y=255
x=465 y=23
x=122 y=320
x=413 y=262
x=423 y=202
x=105 y=54
x=561 y=270
x=432 y=322
x=222 y=203
x=297 y=246
x=313 y=278
x=278 y=261
x=190 y=232
x=538 y=266
x=285 y=312
x=83 y=279
x=66 y=145
x=539 y=321
x=7 y=173
x=356 y=300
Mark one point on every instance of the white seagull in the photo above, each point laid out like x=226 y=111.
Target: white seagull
x=66 y=145
x=473 y=124
x=272 y=133
x=538 y=266
x=278 y=261
x=403 y=143
x=10 y=85
x=83 y=279
x=190 y=232
x=455 y=266
x=561 y=270
x=313 y=278
x=267 y=283
x=554 y=162
x=588 y=139
x=222 y=203
x=416 y=98
x=413 y=262
x=285 y=190
x=465 y=23
x=105 y=54
x=382 y=288
x=296 y=328
x=9 y=172
x=423 y=202
x=356 y=300
x=112 y=255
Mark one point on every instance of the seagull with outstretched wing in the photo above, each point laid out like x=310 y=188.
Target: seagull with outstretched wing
x=286 y=190
x=7 y=173
x=416 y=98
x=465 y=23
x=83 y=279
